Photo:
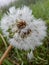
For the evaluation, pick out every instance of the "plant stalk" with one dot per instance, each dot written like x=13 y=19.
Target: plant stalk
x=5 y=54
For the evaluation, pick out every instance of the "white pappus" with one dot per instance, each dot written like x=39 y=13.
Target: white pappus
x=5 y=3
x=22 y=29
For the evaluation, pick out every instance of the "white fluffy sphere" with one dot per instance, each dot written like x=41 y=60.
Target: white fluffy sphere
x=22 y=29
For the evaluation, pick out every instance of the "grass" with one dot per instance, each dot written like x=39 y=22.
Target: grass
x=17 y=57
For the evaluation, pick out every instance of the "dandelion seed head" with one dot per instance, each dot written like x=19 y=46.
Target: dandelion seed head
x=6 y=3
x=22 y=29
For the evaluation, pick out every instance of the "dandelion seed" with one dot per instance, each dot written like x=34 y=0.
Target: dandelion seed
x=30 y=56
